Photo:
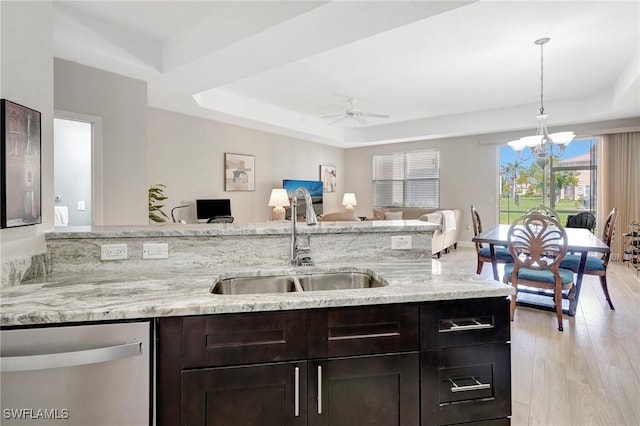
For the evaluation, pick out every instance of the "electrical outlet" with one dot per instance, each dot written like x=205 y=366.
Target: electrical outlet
x=401 y=242
x=113 y=252
x=155 y=251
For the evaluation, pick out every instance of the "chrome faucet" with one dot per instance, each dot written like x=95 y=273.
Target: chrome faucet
x=300 y=255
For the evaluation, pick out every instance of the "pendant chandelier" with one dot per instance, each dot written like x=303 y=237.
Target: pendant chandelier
x=542 y=145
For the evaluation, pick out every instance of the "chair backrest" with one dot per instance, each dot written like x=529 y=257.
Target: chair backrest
x=221 y=219
x=542 y=209
x=537 y=241
x=584 y=220
x=607 y=232
x=477 y=225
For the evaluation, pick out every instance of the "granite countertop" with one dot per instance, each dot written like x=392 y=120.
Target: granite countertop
x=73 y=297
x=230 y=229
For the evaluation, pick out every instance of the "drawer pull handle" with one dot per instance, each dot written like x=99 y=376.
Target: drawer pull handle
x=477 y=325
x=477 y=386
x=296 y=404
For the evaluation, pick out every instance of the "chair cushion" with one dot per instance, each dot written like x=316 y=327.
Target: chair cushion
x=572 y=261
x=502 y=253
x=543 y=276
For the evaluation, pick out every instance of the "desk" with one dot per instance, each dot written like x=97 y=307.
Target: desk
x=578 y=240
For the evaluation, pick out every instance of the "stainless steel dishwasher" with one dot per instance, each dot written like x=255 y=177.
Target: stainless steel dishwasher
x=77 y=375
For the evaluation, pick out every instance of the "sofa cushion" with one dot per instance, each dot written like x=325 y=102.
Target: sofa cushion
x=393 y=215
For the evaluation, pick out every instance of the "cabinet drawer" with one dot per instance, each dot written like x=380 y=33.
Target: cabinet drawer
x=466 y=384
x=461 y=323
x=363 y=330
x=245 y=338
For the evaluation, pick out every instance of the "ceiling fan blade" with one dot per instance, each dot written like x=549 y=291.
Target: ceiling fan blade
x=376 y=115
x=332 y=116
x=360 y=120
x=341 y=118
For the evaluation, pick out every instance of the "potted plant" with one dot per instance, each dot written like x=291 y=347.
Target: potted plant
x=156 y=196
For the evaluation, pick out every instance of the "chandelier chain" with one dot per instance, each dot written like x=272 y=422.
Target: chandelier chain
x=542 y=79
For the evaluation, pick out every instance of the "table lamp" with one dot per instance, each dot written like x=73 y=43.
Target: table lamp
x=348 y=201
x=278 y=199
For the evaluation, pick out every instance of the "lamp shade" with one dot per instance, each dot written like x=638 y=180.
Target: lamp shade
x=349 y=199
x=279 y=198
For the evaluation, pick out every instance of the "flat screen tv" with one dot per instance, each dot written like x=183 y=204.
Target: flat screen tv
x=206 y=209
x=315 y=189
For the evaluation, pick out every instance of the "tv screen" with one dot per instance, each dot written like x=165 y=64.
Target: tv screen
x=206 y=209
x=315 y=189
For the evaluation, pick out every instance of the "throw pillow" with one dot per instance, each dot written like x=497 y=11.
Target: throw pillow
x=378 y=214
x=393 y=215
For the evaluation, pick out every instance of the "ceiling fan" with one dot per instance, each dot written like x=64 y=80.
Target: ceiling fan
x=352 y=112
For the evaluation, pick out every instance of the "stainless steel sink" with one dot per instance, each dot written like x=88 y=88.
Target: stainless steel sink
x=255 y=285
x=291 y=283
x=338 y=281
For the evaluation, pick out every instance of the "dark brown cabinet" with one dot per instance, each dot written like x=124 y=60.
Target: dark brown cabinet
x=466 y=362
x=365 y=365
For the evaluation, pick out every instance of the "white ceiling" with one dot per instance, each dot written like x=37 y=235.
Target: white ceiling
x=438 y=68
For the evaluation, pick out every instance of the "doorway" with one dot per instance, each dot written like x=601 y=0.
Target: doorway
x=76 y=198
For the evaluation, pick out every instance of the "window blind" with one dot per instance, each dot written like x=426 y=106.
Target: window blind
x=407 y=179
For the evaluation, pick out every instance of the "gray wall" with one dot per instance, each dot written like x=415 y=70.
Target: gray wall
x=121 y=102
x=187 y=155
x=468 y=175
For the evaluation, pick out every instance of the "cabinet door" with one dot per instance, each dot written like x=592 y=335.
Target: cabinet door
x=254 y=395
x=378 y=390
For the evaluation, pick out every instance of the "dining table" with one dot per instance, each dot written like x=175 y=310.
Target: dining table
x=579 y=240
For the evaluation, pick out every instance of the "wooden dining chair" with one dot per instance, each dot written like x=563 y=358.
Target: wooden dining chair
x=538 y=243
x=484 y=253
x=585 y=220
x=542 y=209
x=596 y=265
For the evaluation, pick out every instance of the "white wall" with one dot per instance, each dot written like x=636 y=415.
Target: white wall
x=121 y=102
x=26 y=37
x=468 y=175
x=187 y=155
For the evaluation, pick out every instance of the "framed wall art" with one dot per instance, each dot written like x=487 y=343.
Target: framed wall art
x=328 y=177
x=239 y=172
x=20 y=174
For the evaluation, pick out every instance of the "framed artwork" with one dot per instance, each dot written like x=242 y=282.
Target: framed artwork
x=239 y=172
x=20 y=177
x=328 y=177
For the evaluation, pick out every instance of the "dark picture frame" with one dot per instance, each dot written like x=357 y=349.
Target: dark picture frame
x=239 y=172
x=20 y=165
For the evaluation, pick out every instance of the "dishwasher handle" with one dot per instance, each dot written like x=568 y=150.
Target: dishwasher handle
x=70 y=359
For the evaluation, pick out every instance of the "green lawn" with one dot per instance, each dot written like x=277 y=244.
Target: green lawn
x=509 y=211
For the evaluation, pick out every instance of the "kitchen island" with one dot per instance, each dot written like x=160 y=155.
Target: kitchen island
x=299 y=356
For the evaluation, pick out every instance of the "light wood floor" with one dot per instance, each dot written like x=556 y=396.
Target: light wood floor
x=590 y=373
